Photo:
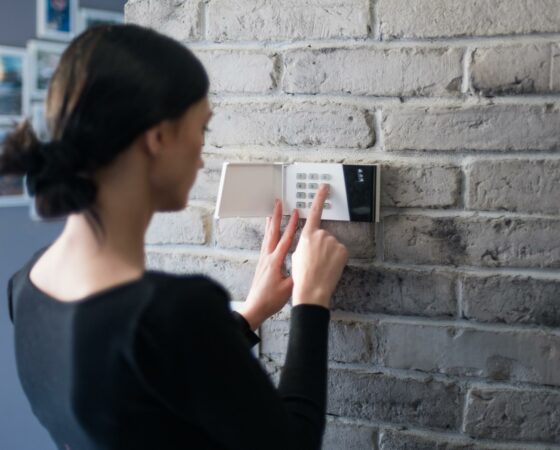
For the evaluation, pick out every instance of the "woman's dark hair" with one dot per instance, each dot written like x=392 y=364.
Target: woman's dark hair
x=112 y=83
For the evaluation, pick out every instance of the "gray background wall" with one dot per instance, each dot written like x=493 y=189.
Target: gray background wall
x=19 y=239
x=445 y=325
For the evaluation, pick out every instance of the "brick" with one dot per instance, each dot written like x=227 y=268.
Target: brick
x=512 y=69
x=248 y=233
x=501 y=413
x=366 y=289
x=263 y=20
x=372 y=71
x=293 y=124
x=474 y=241
x=179 y=19
x=349 y=342
x=511 y=299
x=439 y=18
x=524 y=185
x=271 y=368
x=378 y=396
x=208 y=180
x=523 y=356
x=239 y=71
x=235 y=274
x=417 y=440
x=435 y=186
x=190 y=226
x=349 y=436
x=274 y=336
x=244 y=233
x=493 y=127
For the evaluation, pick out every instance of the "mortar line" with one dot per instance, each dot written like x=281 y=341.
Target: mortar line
x=204 y=20
x=469 y=214
x=375 y=20
x=459 y=297
x=551 y=76
x=462 y=381
x=400 y=102
x=435 y=322
x=376 y=155
x=466 y=82
x=454 y=436
x=378 y=41
x=465 y=410
x=476 y=271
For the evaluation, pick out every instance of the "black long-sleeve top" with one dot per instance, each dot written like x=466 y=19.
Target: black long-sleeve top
x=162 y=363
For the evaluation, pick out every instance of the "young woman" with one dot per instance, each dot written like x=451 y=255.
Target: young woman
x=114 y=356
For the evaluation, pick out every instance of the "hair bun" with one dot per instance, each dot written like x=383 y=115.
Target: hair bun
x=73 y=193
x=20 y=151
x=54 y=177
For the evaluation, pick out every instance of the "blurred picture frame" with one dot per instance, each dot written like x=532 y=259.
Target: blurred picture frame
x=57 y=19
x=89 y=17
x=13 y=84
x=43 y=58
x=12 y=187
x=37 y=112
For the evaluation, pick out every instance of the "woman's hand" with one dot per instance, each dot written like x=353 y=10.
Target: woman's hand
x=271 y=288
x=319 y=259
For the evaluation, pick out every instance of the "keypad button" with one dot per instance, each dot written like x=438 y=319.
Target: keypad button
x=313 y=186
x=325 y=176
x=301 y=185
x=300 y=205
x=301 y=176
x=310 y=204
x=301 y=195
x=311 y=195
x=313 y=176
x=327 y=205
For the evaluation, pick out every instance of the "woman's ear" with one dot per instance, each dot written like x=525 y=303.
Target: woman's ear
x=155 y=140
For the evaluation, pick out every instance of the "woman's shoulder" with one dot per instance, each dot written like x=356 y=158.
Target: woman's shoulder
x=180 y=295
x=186 y=285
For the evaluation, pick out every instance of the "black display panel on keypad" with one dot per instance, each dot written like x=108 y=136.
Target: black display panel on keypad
x=360 y=191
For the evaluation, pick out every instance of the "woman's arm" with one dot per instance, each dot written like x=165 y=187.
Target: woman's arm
x=190 y=352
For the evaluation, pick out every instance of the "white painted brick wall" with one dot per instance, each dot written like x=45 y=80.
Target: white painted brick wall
x=257 y=20
x=294 y=124
x=372 y=71
x=445 y=323
x=443 y=18
x=235 y=71
x=180 y=19
x=521 y=127
x=523 y=185
x=515 y=69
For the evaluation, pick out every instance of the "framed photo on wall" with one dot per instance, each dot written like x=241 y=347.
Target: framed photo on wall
x=56 y=19
x=12 y=189
x=13 y=86
x=90 y=17
x=38 y=120
x=43 y=58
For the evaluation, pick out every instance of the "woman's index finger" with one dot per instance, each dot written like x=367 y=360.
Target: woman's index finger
x=314 y=217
